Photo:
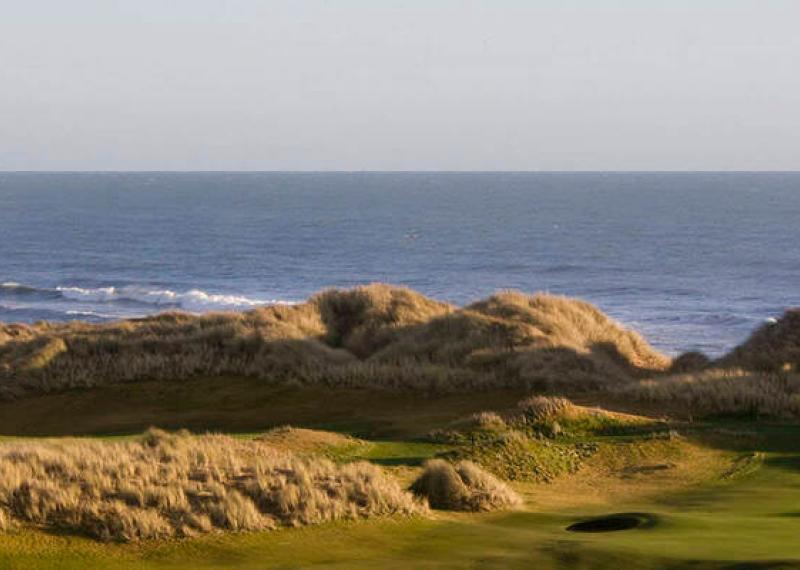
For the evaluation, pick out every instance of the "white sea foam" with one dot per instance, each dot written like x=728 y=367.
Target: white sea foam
x=89 y=314
x=193 y=300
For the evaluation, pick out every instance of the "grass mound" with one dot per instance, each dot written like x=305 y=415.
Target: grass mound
x=541 y=439
x=463 y=487
x=516 y=456
x=552 y=416
x=166 y=485
x=771 y=348
x=374 y=336
x=302 y=440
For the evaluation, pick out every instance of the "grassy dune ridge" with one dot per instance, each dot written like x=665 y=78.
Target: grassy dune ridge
x=373 y=336
x=385 y=337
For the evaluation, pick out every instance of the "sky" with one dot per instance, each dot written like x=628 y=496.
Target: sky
x=400 y=85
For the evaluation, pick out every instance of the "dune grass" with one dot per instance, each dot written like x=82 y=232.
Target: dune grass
x=176 y=485
x=723 y=392
x=376 y=336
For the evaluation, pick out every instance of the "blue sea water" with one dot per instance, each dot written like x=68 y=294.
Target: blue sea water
x=692 y=260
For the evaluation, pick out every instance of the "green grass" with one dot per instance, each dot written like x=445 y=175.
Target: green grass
x=401 y=453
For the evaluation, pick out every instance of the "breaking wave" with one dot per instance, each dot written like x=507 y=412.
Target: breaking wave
x=123 y=301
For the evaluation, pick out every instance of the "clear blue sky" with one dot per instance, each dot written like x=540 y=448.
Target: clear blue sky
x=399 y=85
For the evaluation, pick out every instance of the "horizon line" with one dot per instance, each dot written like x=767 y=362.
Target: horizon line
x=426 y=171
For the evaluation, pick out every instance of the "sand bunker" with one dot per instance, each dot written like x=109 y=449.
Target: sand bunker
x=615 y=522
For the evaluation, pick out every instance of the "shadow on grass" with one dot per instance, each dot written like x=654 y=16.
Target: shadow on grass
x=400 y=461
x=788 y=462
x=780 y=441
x=571 y=554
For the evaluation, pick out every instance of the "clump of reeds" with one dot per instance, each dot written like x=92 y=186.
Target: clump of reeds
x=537 y=409
x=487 y=421
x=463 y=487
x=175 y=485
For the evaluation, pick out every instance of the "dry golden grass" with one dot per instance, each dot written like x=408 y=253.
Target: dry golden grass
x=463 y=487
x=491 y=421
x=374 y=336
x=166 y=485
x=723 y=391
x=5 y=520
x=548 y=408
x=562 y=322
x=366 y=319
x=15 y=332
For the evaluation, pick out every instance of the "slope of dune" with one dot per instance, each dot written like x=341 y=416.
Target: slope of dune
x=772 y=347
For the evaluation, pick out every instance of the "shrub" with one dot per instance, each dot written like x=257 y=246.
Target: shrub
x=690 y=362
x=463 y=487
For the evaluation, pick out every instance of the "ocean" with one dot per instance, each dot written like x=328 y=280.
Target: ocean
x=694 y=261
